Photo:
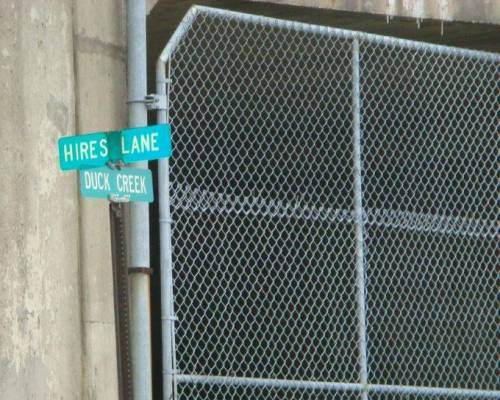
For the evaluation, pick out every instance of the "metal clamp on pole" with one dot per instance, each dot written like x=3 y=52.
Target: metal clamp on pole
x=140 y=270
x=114 y=198
x=152 y=101
x=172 y=318
x=118 y=165
x=163 y=80
x=156 y=102
x=169 y=371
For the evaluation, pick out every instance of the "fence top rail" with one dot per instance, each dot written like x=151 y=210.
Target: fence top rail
x=196 y=11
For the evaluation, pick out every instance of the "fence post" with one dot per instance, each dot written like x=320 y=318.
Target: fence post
x=167 y=286
x=359 y=220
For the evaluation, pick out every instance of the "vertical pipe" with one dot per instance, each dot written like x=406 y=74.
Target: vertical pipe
x=140 y=324
x=167 y=291
x=359 y=220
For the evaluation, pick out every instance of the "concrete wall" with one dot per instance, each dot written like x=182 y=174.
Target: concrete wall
x=449 y=10
x=62 y=71
x=100 y=79
x=40 y=346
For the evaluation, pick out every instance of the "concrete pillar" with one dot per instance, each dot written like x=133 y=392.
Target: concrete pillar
x=100 y=61
x=62 y=71
x=40 y=340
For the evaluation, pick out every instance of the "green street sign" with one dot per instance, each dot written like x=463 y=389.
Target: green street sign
x=129 y=145
x=130 y=184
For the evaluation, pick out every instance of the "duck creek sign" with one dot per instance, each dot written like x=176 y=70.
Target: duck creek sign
x=131 y=184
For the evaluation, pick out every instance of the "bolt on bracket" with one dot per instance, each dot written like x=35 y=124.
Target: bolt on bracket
x=152 y=101
x=156 y=102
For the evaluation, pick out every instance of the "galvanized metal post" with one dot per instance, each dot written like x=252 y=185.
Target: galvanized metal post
x=140 y=319
x=359 y=221
x=167 y=292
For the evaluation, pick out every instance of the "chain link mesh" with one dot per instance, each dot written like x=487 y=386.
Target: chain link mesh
x=262 y=192
x=431 y=150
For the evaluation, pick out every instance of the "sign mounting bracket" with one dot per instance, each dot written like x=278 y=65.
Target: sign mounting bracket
x=152 y=101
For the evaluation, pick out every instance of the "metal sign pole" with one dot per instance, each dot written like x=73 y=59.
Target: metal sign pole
x=140 y=311
x=120 y=291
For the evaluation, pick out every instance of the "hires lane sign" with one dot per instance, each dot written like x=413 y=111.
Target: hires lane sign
x=131 y=184
x=129 y=145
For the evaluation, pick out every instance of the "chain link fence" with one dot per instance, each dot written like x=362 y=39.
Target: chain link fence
x=334 y=197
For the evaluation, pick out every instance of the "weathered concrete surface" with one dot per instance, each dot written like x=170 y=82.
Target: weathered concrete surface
x=62 y=71
x=167 y=14
x=100 y=53
x=40 y=351
x=449 y=10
